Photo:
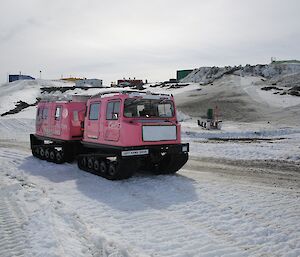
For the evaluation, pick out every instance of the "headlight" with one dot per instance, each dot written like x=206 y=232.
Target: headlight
x=184 y=148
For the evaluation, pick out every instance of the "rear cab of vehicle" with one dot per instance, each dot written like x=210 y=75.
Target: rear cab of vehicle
x=59 y=126
x=60 y=120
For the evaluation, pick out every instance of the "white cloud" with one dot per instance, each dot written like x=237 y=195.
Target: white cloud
x=149 y=39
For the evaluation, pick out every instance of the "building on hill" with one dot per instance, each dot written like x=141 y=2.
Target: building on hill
x=130 y=82
x=14 y=77
x=89 y=83
x=71 y=79
x=180 y=74
x=275 y=61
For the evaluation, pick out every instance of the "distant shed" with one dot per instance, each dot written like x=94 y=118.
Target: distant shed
x=14 y=77
x=182 y=74
x=89 y=83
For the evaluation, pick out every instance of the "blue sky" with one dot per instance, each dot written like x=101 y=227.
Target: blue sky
x=143 y=39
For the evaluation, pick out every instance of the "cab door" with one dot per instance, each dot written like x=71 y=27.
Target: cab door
x=57 y=129
x=92 y=129
x=45 y=127
x=112 y=123
x=39 y=120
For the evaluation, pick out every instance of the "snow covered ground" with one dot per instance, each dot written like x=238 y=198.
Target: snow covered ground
x=51 y=210
x=237 y=196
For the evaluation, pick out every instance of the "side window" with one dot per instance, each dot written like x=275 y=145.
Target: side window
x=113 y=110
x=58 y=112
x=45 y=114
x=75 y=116
x=94 y=111
x=38 y=113
x=116 y=110
x=165 y=110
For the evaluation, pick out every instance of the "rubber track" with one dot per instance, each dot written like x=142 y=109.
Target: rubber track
x=126 y=168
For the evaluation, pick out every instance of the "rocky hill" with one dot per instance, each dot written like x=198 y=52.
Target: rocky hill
x=287 y=72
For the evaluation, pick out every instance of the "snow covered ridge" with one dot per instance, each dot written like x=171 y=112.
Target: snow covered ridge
x=275 y=70
x=19 y=95
x=26 y=91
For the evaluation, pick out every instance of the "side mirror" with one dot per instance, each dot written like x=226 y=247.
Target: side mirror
x=115 y=116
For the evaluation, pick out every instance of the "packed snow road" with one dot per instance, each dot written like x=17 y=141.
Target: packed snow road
x=59 y=210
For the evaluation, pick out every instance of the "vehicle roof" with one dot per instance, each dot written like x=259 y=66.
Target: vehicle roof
x=130 y=94
x=107 y=95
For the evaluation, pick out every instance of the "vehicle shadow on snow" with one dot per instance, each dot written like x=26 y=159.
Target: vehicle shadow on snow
x=51 y=171
x=141 y=192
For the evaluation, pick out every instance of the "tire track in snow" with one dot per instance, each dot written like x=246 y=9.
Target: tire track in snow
x=191 y=223
x=173 y=215
x=16 y=129
x=13 y=241
x=50 y=227
x=162 y=223
x=215 y=221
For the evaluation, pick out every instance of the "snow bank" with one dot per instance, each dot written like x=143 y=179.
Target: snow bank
x=245 y=143
x=181 y=116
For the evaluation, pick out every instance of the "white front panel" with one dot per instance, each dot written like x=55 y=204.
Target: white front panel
x=135 y=152
x=159 y=133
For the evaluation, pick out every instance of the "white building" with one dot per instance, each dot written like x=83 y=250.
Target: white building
x=89 y=83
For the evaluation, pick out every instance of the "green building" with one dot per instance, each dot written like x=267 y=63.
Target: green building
x=182 y=74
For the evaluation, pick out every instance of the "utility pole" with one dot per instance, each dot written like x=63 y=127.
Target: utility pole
x=40 y=74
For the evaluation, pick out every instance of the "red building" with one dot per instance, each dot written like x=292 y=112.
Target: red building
x=130 y=82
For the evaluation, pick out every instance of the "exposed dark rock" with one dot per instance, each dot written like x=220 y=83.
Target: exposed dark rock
x=20 y=105
x=63 y=89
x=295 y=91
x=295 y=88
x=270 y=88
x=54 y=89
x=177 y=86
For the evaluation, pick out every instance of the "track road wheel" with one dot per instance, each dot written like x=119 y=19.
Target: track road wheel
x=112 y=171
x=121 y=169
x=81 y=162
x=90 y=163
x=47 y=154
x=103 y=167
x=52 y=155
x=96 y=165
x=42 y=152
x=59 y=157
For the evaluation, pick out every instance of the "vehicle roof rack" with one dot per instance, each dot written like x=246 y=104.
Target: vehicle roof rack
x=84 y=98
x=64 y=98
x=127 y=92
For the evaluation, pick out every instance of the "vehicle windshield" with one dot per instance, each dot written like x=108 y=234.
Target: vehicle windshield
x=148 y=108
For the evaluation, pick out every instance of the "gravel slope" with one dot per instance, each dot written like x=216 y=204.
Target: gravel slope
x=241 y=100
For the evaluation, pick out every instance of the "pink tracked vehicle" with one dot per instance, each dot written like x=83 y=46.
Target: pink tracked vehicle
x=112 y=134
